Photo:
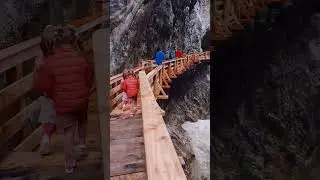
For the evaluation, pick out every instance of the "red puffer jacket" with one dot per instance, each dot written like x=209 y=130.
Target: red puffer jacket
x=130 y=86
x=179 y=54
x=66 y=77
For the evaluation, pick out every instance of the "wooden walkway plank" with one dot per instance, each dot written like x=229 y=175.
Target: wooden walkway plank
x=127 y=154
x=134 y=176
x=161 y=158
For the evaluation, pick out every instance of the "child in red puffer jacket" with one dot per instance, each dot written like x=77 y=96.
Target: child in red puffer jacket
x=130 y=86
x=66 y=78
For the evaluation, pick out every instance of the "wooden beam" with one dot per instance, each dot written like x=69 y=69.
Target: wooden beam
x=154 y=72
x=166 y=75
x=13 y=55
x=163 y=97
x=161 y=158
x=115 y=90
x=12 y=126
x=115 y=100
x=102 y=71
x=15 y=90
x=31 y=142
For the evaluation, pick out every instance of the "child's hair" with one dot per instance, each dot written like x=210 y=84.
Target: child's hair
x=125 y=73
x=67 y=35
x=54 y=36
x=48 y=40
x=131 y=72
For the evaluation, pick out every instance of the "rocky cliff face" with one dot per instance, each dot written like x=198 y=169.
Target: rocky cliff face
x=140 y=26
x=267 y=100
x=189 y=101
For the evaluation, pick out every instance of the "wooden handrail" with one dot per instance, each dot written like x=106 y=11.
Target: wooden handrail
x=161 y=158
x=26 y=46
x=115 y=91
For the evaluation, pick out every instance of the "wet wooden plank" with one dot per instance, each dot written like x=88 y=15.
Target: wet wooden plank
x=127 y=167
x=135 y=140
x=122 y=124
x=127 y=150
x=133 y=176
x=125 y=135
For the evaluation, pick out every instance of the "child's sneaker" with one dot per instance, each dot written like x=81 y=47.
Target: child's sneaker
x=123 y=107
x=45 y=145
x=69 y=168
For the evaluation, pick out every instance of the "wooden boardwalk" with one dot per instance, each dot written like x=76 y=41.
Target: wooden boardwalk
x=140 y=146
x=127 y=151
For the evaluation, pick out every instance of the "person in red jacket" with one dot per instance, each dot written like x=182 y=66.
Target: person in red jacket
x=66 y=77
x=130 y=86
x=179 y=54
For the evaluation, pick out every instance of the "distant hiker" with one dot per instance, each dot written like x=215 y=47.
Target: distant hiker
x=124 y=94
x=47 y=112
x=167 y=54
x=68 y=78
x=171 y=54
x=130 y=86
x=179 y=54
x=160 y=56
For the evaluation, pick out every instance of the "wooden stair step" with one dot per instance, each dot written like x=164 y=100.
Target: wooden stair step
x=125 y=135
x=130 y=151
x=131 y=141
x=125 y=124
x=133 y=176
x=127 y=167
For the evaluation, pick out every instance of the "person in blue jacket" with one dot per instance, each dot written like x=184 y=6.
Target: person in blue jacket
x=171 y=54
x=160 y=56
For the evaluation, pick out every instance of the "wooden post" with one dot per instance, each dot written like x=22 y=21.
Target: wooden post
x=19 y=76
x=102 y=76
x=175 y=67
x=161 y=77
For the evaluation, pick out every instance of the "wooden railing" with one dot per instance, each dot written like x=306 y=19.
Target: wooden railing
x=17 y=62
x=161 y=158
x=159 y=76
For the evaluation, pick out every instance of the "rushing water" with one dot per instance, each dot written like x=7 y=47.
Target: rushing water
x=199 y=134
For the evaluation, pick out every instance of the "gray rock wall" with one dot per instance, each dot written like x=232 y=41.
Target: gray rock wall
x=140 y=26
